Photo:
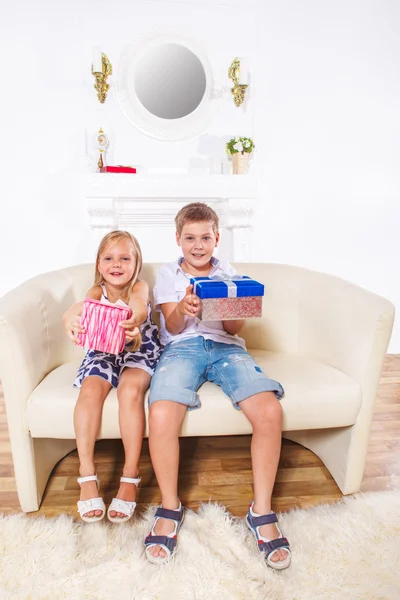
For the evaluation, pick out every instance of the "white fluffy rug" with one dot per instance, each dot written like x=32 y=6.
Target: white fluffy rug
x=350 y=550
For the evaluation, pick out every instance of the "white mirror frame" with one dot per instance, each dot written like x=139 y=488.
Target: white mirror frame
x=162 y=129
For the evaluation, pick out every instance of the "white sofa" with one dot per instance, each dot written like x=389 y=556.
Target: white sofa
x=323 y=338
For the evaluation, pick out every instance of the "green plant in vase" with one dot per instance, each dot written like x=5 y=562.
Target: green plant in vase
x=240 y=149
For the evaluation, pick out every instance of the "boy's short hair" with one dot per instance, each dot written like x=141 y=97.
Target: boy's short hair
x=195 y=212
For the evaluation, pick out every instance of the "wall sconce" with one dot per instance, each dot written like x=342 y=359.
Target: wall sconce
x=101 y=69
x=239 y=78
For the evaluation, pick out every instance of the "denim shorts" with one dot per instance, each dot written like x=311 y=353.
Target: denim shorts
x=184 y=366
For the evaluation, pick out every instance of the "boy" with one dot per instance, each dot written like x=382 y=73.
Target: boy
x=194 y=353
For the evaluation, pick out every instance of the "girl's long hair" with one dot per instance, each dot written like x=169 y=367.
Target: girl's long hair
x=112 y=238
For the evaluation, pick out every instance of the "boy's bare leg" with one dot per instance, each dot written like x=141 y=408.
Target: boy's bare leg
x=265 y=415
x=165 y=421
x=131 y=388
x=87 y=419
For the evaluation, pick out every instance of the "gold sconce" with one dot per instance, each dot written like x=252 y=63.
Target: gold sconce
x=101 y=69
x=239 y=89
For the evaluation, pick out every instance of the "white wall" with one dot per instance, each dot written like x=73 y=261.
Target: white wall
x=323 y=110
x=328 y=117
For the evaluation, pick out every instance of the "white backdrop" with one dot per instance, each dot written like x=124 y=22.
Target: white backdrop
x=323 y=110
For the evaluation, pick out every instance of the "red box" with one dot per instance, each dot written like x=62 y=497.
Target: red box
x=228 y=309
x=118 y=170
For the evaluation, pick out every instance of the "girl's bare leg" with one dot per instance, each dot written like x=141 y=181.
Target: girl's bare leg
x=87 y=419
x=131 y=389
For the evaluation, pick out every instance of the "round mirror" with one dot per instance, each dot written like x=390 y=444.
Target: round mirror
x=164 y=88
x=170 y=81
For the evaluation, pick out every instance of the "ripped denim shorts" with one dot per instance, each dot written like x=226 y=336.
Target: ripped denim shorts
x=185 y=365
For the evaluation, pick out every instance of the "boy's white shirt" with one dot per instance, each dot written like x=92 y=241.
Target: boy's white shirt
x=171 y=284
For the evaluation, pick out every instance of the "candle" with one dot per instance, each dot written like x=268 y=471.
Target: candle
x=244 y=71
x=97 y=60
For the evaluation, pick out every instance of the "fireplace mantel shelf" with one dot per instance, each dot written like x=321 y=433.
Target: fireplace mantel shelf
x=119 y=185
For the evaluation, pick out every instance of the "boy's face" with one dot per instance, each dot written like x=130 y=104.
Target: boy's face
x=197 y=241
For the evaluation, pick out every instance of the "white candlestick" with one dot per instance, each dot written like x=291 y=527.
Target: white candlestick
x=244 y=71
x=97 y=60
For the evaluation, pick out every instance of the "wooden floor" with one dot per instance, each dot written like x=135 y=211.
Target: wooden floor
x=219 y=468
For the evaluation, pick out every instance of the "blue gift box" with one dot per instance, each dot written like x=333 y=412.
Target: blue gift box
x=237 y=286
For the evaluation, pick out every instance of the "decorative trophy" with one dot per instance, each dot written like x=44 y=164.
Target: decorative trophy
x=102 y=143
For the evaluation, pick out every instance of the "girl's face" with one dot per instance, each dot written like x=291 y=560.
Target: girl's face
x=117 y=263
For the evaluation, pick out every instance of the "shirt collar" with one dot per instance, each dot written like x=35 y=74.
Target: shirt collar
x=214 y=264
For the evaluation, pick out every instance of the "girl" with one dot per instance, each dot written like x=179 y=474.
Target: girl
x=118 y=264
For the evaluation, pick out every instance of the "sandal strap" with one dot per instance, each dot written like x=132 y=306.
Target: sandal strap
x=263 y=519
x=85 y=506
x=122 y=506
x=168 y=543
x=265 y=545
x=81 y=480
x=271 y=546
x=172 y=515
x=134 y=480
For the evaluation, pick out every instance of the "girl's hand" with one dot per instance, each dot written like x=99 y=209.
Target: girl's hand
x=73 y=327
x=131 y=327
x=190 y=305
x=131 y=334
x=72 y=322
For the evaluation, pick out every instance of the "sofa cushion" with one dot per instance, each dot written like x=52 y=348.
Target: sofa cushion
x=316 y=396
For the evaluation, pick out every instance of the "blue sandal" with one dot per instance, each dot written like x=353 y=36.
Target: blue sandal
x=268 y=547
x=167 y=542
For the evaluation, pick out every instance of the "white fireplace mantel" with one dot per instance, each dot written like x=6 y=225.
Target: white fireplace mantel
x=129 y=201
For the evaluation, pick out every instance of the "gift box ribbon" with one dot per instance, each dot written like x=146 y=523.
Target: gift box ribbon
x=229 y=280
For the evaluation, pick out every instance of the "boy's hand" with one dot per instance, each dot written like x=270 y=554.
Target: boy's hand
x=190 y=305
x=233 y=327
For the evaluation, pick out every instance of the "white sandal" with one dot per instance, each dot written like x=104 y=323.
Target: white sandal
x=85 y=506
x=123 y=506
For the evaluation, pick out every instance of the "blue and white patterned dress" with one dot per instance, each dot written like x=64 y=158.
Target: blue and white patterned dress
x=110 y=366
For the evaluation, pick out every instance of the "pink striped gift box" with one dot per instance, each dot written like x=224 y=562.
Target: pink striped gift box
x=101 y=323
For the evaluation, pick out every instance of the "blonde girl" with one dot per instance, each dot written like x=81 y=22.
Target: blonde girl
x=118 y=264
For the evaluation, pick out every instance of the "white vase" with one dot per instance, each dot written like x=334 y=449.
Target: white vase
x=240 y=163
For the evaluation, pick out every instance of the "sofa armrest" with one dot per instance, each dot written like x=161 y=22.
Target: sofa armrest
x=32 y=338
x=24 y=359
x=24 y=346
x=32 y=343
x=320 y=316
